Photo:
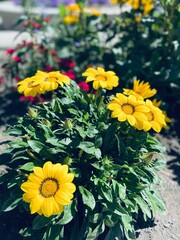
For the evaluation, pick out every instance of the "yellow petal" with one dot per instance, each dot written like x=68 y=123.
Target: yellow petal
x=36 y=203
x=48 y=169
x=47 y=207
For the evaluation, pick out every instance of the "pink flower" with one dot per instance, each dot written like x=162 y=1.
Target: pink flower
x=16 y=59
x=29 y=98
x=1 y=79
x=84 y=86
x=10 y=51
x=48 y=68
x=70 y=74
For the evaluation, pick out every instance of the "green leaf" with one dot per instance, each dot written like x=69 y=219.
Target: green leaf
x=89 y=148
x=12 y=201
x=62 y=10
x=36 y=145
x=40 y=221
x=119 y=189
x=28 y=166
x=54 y=232
x=68 y=214
x=96 y=232
x=143 y=206
x=87 y=197
x=115 y=233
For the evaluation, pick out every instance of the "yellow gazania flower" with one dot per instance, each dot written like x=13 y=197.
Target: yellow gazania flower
x=48 y=189
x=50 y=81
x=100 y=78
x=128 y=109
x=155 y=118
x=157 y=103
x=140 y=90
x=28 y=87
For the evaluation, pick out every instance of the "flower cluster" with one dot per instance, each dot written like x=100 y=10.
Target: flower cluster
x=145 y=5
x=141 y=114
x=73 y=12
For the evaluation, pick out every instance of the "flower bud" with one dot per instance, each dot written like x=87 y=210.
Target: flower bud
x=68 y=124
x=32 y=113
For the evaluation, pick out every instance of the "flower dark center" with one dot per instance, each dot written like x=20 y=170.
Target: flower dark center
x=128 y=108
x=49 y=187
x=150 y=116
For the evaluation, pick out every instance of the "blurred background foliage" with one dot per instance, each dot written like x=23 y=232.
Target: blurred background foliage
x=142 y=42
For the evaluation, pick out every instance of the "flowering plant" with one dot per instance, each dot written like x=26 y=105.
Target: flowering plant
x=84 y=164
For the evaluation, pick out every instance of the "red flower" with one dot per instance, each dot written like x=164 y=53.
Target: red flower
x=36 y=25
x=1 y=79
x=48 y=68
x=16 y=59
x=10 y=51
x=84 y=86
x=53 y=52
x=29 y=98
x=17 y=79
x=70 y=74
x=67 y=63
x=47 y=19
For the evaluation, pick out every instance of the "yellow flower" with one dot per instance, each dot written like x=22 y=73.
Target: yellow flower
x=140 y=90
x=157 y=103
x=50 y=81
x=155 y=118
x=91 y=11
x=71 y=19
x=73 y=7
x=48 y=189
x=128 y=109
x=100 y=78
x=28 y=87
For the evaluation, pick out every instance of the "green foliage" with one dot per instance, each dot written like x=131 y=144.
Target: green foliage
x=114 y=164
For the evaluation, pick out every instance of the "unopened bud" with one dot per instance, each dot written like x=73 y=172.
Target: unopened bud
x=68 y=124
x=32 y=113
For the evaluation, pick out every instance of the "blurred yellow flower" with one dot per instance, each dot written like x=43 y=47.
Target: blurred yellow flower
x=48 y=189
x=28 y=87
x=92 y=11
x=128 y=108
x=146 y=5
x=100 y=78
x=73 y=13
x=71 y=19
x=140 y=90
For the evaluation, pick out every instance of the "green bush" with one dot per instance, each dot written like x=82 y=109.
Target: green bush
x=114 y=166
